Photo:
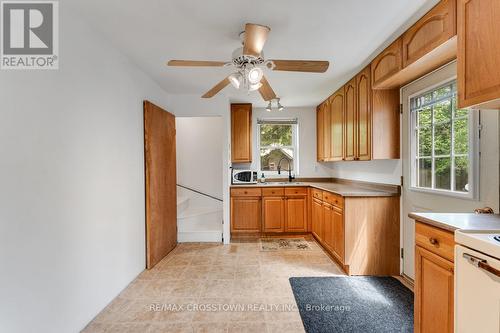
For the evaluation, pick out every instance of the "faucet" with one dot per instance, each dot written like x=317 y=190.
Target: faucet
x=290 y=177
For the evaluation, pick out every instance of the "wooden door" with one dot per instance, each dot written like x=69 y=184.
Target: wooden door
x=364 y=115
x=478 y=63
x=327 y=132
x=350 y=120
x=241 y=133
x=317 y=218
x=296 y=214
x=273 y=212
x=433 y=292
x=161 y=178
x=327 y=226
x=245 y=214
x=387 y=63
x=337 y=125
x=432 y=30
x=338 y=233
x=320 y=133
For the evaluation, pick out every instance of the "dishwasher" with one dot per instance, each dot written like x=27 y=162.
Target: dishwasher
x=477 y=281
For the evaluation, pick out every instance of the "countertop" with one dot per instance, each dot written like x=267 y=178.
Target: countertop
x=459 y=221
x=344 y=190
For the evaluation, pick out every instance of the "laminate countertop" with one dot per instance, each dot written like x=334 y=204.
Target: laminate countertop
x=459 y=221
x=345 y=190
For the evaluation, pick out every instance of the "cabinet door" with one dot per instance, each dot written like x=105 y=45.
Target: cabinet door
x=364 y=115
x=296 y=214
x=327 y=132
x=337 y=125
x=478 y=53
x=328 y=226
x=350 y=120
x=338 y=233
x=273 y=214
x=387 y=63
x=433 y=292
x=319 y=133
x=245 y=214
x=432 y=30
x=317 y=218
x=241 y=133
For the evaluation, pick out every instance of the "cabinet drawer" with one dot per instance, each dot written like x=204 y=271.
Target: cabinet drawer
x=333 y=199
x=273 y=192
x=295 y=190
x=317 y=194
x=246 y=192
x=438 y=241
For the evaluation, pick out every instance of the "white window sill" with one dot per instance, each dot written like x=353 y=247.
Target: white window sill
x=458 y=195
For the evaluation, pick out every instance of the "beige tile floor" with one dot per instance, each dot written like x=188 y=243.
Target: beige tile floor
x=214 y=277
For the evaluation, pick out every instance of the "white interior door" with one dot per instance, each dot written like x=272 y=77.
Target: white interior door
x=418 y=201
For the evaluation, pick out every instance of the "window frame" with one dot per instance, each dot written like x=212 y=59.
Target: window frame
x=473 y=155
x=294 y=146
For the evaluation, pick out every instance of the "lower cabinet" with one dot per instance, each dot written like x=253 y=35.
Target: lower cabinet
x=338 y=233
x=296 y=214
x=273 y=214
x=434 y=279
x=317 y=218
x=245 y=214
x=328 y=226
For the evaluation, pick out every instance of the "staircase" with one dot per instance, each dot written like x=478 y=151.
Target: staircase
x=199 y=216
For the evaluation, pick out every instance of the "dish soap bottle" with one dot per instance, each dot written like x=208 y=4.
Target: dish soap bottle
x=262 y=178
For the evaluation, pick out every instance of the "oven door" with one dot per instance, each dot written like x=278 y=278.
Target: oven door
x=477 y=292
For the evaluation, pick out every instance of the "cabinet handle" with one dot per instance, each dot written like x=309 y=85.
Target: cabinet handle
x=433 y=241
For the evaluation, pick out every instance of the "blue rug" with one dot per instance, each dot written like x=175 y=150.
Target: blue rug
x=353 y=304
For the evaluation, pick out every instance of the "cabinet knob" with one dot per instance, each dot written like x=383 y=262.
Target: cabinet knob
x=433 y=241
x=245 y=192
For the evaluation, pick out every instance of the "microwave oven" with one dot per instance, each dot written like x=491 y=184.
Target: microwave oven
x=244 y=177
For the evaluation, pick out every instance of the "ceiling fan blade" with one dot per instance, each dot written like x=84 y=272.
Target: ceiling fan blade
x=311 y=66
x=266 y=91
x=196 y=63
x=255 y=38
x=218 y=87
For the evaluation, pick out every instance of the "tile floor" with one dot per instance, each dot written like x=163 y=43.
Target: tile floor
x=215 y=277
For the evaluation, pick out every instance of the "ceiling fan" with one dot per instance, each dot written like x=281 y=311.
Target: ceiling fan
x=249 y=64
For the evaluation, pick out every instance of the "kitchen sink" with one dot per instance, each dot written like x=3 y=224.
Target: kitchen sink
x=282 y=183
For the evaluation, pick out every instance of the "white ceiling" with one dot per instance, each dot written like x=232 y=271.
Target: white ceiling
x=345 y=32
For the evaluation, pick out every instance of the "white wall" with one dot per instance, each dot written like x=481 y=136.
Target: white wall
x=378 y=171
x=308 y=165
x=72 y=224
x=200 y=143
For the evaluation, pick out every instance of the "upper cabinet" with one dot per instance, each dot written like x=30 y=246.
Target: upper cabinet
x=337 y=125
x=241 y=133
x=364 y=115
x=320 y=130
x=432 y=30
x=430 y=43
x=479 y=53
x=388 y=63
x=350 y=118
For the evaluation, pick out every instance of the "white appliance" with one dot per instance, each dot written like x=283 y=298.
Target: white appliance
x=244 y=177
x=477 y=281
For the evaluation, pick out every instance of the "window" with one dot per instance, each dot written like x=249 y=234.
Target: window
x=443 y=143
x=278 y=142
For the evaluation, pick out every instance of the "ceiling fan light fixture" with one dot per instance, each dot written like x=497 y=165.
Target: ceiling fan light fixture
x=255 y=75
x=235 y=80
x=269 y=107
x=253 y=87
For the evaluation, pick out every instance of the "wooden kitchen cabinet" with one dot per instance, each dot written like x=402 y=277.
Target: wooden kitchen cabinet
x=328 y=226
x=432 y=30
x=317 y=218
x=245 y=214
x=363 y=115
x=327 y=132
x=241 y=133
x=433 y=292
x=296 y=214
x=320 y=128
x=478 y=53
x=337 y=125
x=388 y=63
x=338 y=233
x=350 y=111
x=273 y=214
